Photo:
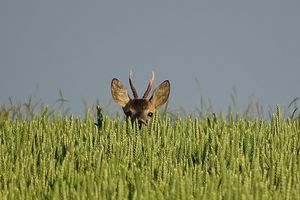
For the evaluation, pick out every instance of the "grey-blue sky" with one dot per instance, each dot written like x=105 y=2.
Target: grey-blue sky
x=79 y=46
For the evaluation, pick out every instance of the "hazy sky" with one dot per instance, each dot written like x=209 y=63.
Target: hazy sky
x=79 y=46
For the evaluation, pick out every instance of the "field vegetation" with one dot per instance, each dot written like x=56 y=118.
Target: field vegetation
x=48 y=155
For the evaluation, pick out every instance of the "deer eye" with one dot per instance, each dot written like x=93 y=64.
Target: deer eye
x=150 y=114
x=128 y=113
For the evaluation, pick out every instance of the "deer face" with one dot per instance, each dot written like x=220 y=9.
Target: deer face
x=140 y=109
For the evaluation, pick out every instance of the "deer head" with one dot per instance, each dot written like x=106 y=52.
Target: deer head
x=140 y=109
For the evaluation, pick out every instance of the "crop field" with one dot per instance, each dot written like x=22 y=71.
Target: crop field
x=224 y=157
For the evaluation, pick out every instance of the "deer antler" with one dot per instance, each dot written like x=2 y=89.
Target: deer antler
x=135 y=95
x=149 y=86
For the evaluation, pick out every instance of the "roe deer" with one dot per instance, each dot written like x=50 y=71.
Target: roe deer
x=140 y=109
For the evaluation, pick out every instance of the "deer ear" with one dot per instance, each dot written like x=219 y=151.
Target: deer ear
x=119 y=93
x=161 y=94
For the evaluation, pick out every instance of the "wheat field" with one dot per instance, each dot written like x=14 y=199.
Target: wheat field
x=64 y=157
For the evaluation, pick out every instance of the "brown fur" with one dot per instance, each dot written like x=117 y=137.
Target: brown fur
x=139 y=109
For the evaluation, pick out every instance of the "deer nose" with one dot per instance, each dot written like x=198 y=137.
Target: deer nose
x=141 y=122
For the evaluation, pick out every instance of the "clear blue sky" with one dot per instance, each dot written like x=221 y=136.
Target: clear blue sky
x=79 y=46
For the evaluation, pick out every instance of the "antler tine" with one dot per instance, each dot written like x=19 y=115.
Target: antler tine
x=149 y=86
x=135 y=95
